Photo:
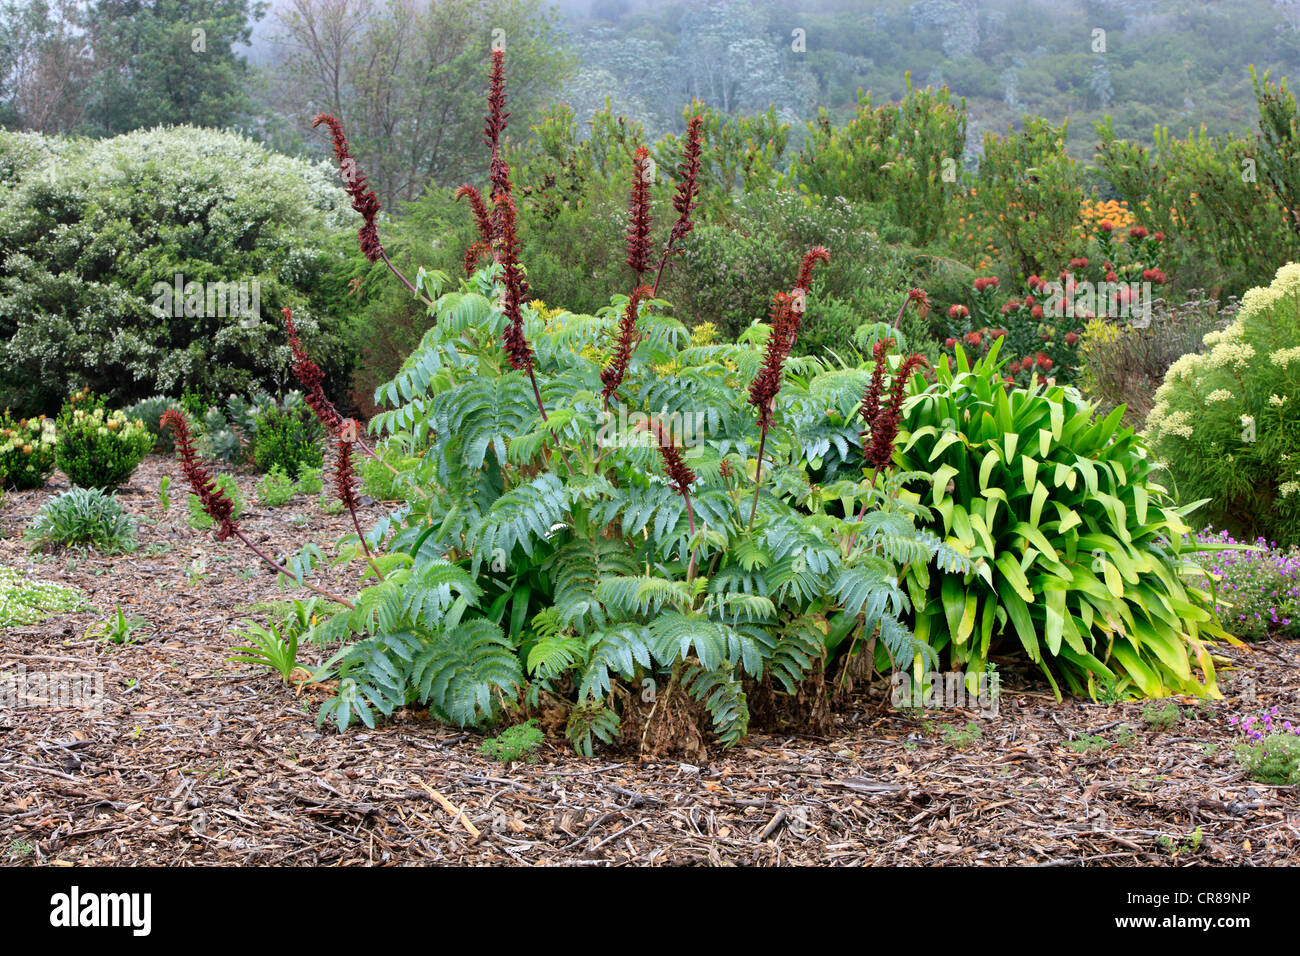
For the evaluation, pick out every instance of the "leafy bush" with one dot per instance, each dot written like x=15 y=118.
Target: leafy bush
x=288 y=439
x=1076 y=552
x=275 y=488
x=96 y=449
x=96 y=236
x=382 y=480
x=27 y=451
x=1124 y=364
x=83 y=516
x=1257 y=587
x=309 y=481
x=1225 y=421
x=150 y=411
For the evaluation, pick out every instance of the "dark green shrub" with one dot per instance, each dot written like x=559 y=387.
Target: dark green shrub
x=288 y=439
x=96 y=448
x=83 y=516
x=26 y=451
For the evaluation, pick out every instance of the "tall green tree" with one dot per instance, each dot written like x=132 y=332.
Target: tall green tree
x=160 y=62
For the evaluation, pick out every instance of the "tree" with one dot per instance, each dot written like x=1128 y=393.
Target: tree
x=162 y=62
x=406 y=79
x=43 y=61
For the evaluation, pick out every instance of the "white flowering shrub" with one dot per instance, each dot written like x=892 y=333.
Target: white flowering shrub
x=158 y=261
x=1226 y=422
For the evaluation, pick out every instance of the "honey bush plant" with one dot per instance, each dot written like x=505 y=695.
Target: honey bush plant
x=588 y=502
x=563 y=535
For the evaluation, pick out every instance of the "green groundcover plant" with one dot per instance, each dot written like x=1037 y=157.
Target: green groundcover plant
x=83 y=516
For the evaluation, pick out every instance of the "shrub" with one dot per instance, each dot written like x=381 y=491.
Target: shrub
x=27 y=451
x=309 y=481
x=1077 y=555
x=379 y=480
x=83 y=516
x=275 y=488
x=97 y=234
x=1257 y=588
x=150 y=411
x=287 y=438
x=98 y=449
x=1124 y=364
x=1225 y=421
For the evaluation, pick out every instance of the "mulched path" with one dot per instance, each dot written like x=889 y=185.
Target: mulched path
x=196 y=760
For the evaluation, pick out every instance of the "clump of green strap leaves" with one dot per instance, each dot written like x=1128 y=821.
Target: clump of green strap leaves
x=1076 y=552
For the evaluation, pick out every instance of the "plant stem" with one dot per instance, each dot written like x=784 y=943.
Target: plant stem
x=758 y=479
x=289 y=574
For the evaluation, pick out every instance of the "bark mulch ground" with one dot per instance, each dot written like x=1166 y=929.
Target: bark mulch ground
x=198 y=760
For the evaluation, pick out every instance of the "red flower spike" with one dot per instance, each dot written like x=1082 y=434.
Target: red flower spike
x=767 y=383
x=686 y=195
x=345 y=478
x=310 y=376
x=638 y=230
x=481 y=216
x=884 y=428
x=679 y=473
x=212 y=498
x=518 y=350
x=811 y=258
x=612 y=374
x=364 y=200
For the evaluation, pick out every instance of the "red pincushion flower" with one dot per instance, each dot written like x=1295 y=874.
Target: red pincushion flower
x=1154 y=276
x=1106 y=226
x=958 y=311
x=949 y=342
x=985 y=283
x=1138 y=232
x=1112 y=277
x=973 y=338
x=1159 y=237
x=1071 y=338
x=1079 y=262
x=1044 y=362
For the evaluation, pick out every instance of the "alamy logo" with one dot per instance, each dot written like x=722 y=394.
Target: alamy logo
x=208 y=300
x=76 y=909
x=947 y=691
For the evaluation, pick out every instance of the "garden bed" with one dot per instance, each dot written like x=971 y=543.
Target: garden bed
x=198 y=760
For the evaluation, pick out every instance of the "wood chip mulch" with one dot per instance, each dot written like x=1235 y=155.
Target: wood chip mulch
x=195 y=760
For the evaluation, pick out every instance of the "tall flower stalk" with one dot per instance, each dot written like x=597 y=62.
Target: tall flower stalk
x=216 y=505
x=786 y=317
x=364 y=200
x=639 y=240
x=612 y=375
x=686 y=196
